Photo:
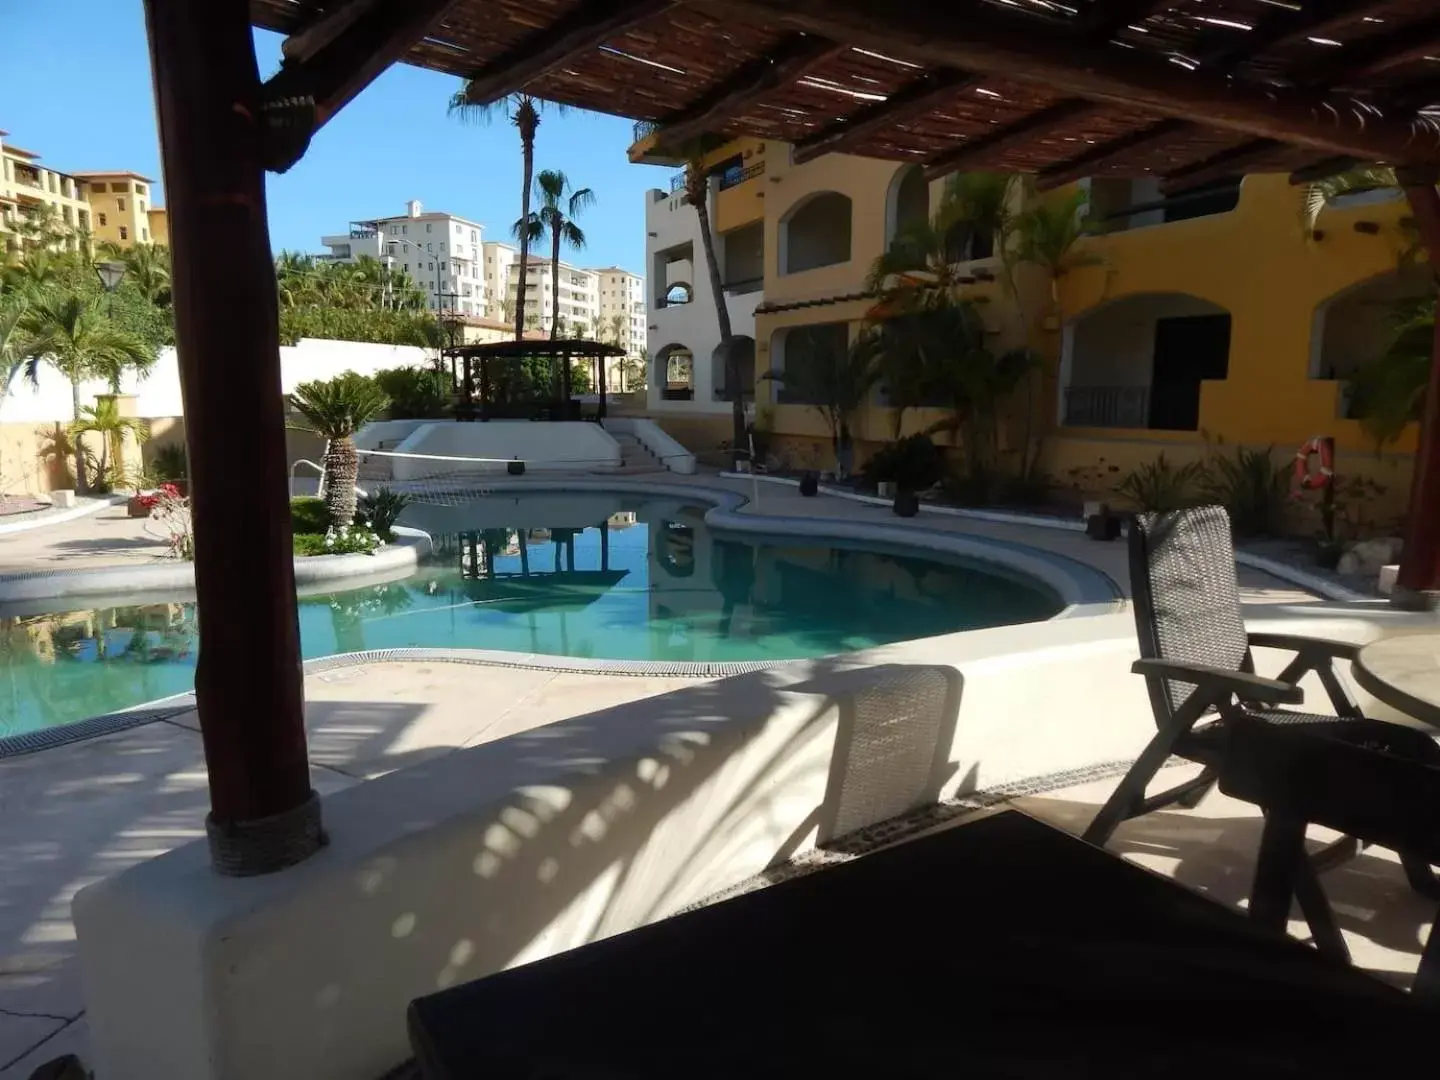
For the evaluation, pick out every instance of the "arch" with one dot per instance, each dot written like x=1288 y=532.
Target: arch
x=815 y=232
x=744 y=345
x=1354 y=325
x=1139 y=361
x=678 y=293
x=907 y=201
x=675 y=368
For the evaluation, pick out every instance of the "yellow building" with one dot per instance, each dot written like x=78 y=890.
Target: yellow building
x=29 y=192
x=120 y=203
x=159 y=226
x=1187 y=323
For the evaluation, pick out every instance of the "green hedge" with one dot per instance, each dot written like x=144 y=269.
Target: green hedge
x=308 y=515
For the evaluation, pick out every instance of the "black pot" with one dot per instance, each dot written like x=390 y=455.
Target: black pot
x=810 y=485
x=907 y=504
x=1104 y=526
x=515 y=468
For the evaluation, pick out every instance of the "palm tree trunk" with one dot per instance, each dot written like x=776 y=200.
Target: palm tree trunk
x=698 y=194
x=554 y=283
x=342 y=465
x=527 y=147
x=80 y=484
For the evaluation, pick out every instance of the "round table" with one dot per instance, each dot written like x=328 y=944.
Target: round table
x=1404 y=673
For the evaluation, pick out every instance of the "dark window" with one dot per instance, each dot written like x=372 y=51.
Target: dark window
x=120 y=204
x=124 y=233
x=98 y=188
x=101 y=218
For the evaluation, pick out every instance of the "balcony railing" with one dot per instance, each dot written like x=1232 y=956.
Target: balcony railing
x=735 y=177
x=1107 y=406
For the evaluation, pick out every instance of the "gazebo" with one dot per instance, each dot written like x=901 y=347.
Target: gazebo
x=528 y=379
x=1186 y=91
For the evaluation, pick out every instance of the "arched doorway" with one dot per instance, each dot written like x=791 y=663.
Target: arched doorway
x=675 y=366
x=907 y=203
x=744 y=347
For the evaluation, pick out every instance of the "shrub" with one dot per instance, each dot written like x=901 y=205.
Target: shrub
x=414 y=393
x=352 y=540
x=171 y=463
x=1250 y=486
x=380 y=509
x=309 y=515
x=913 y=463
x=1160 y=487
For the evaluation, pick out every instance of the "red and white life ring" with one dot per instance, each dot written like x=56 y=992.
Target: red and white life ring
x=1319 y=447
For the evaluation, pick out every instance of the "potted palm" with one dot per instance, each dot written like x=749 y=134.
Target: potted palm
x=336 y=410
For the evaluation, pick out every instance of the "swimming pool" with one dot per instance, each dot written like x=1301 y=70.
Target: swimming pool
x=585 y=575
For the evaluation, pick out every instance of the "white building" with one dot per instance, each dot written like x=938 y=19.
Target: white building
x=442 y=252
x=683 y=330
x=498 y=260
x=622 y=294
x=579 y=296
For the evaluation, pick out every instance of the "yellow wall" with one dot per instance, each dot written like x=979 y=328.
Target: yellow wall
x=745 y=202
x=159 y=226
x=109 y=222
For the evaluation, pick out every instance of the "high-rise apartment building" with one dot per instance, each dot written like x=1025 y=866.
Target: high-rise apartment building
x=579 y=294
x=30 y=192
x=440 y=251
x=622 y=309
x=120 y=205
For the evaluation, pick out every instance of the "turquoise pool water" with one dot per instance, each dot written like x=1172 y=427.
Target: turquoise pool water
x=575 y=575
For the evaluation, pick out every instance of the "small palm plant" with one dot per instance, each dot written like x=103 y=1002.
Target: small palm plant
x=1389 y=391
x=103 y=419
x=1046 y=234
x=336 y=410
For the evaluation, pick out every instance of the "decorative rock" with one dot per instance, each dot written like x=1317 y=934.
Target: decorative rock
x=1371 y=555
x=1349 y=564
x=1386 y=582
x=63 y=499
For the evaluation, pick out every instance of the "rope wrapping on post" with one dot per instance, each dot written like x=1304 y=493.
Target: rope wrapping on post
x=251 y=848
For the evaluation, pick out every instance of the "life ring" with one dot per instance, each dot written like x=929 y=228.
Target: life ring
x=1325 y=450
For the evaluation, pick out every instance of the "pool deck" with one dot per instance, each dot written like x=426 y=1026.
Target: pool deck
x=73 y=814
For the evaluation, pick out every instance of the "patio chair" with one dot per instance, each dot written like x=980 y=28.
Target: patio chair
x=1345 y=780
x=1195 y=655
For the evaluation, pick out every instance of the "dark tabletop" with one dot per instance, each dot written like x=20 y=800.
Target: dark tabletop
x=997 y=948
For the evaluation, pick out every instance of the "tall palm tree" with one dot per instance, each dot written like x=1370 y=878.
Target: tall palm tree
x=75 y=336
x=104 y=420
x=524 y=112
x=560 y=204
x=336 y=410
x=619 y=323
x=1046 y=233
x=14 y=343
x=697 y=194
x=147 y=267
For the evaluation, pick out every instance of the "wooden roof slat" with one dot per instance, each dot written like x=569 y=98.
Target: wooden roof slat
x=1098 y=157
x=1103 y=21
x=977 y=153
x=1375 y=53
x=1227 y=163
x=921 y=96
x=938 y=35
x=1284 y=25
x=579 y=31
x=796 y=55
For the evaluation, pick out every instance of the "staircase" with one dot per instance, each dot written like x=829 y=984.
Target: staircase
x=634 y=458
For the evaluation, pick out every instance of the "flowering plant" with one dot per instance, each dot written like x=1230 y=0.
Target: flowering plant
x=172 y=511
x=151 y=500
x=352 y=540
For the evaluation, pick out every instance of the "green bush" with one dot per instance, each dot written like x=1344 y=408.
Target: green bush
x=913 y=463
x=380 y=509
x=171 y=463
x=310 y=544
x=309 y=515
x=1160 y=487
x=414 y=393
x=1251 y=487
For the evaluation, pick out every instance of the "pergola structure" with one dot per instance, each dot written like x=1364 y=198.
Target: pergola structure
x=507 y=389
x=1189 y=90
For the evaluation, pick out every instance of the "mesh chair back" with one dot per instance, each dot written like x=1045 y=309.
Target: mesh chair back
x=1186 y=600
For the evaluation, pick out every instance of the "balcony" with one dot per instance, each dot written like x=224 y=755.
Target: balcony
x=735 y=176
x=1107 y=406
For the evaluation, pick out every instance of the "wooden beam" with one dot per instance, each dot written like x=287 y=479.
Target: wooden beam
x=579 y=31
x=1375 y=53
x=248 y=683
x=796 y=56
x=1322 y=169
x=1420 y=557
x=937 y=34
x=1316 y=19
x=1105 y=20
x=341 y=58
x=976 y=153
x=915 y=99
x=323 y=29
x=1098 y=157
x=1232 y=162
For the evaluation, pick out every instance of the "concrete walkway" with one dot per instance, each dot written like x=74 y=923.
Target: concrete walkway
x=107 y=538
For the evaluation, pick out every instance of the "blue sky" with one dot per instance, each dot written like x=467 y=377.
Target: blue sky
x=75 y=88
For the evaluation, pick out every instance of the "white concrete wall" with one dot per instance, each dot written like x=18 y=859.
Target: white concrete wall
x=158 y=394
x=518 y=849
x=654 y=439
x=560 y=446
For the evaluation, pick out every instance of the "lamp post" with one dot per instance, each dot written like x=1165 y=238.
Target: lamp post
x=111 y=274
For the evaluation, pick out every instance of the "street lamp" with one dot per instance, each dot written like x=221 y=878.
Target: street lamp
x=111 y=274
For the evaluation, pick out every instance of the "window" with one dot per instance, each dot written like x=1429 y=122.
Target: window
x=140 y=206
x=101 y=218
x=97 y=188
x=140 y=189
x=405 y=229
x=474 y=239
x=459 y=231
x=120 y=204
x=442 y=264
x=124 y=233
x=431 y=266
x=427 y=226
x=145 y=236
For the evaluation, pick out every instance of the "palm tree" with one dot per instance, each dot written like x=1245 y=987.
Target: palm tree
x=619 y=323
x=697 y=194
x=560 y=205
x=834 y=381
x=336 y=410
x=74 y=335
x=1046 y=233
x=33 y=272
x=14 y=344
x=1319 y=193
x=104 y=420
x=1389 y=392
x=147 y=267
x=524 y=112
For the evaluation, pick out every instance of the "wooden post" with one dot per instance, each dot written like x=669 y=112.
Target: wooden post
x=605 y=545
x=524 y=554
x=600 y=382
x=1420 y=561
x=264 y=815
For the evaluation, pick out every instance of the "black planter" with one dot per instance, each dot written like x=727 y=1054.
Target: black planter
x=809 y=485
x=907 y=504
x=1104 y=526
x=515 y=468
